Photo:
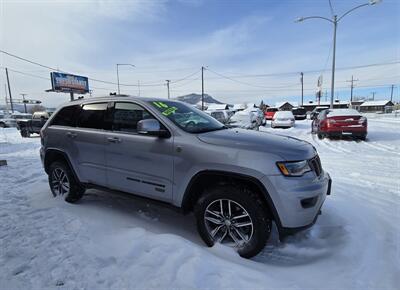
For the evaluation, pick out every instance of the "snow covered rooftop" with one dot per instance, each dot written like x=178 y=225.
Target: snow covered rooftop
x=375 y=103
x=239 y=106
x=280 y=104
x=215 y=107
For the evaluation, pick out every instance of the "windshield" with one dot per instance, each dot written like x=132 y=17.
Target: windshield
x=187 y=117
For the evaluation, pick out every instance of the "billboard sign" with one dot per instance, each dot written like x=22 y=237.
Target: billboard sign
x=61 y=82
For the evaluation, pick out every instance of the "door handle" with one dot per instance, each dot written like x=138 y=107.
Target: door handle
x=72 y=135
x=114 y=140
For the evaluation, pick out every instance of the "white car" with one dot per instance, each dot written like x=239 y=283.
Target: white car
x=221 y=115
x=7 y=121
x=283 y=119
x=244 y=119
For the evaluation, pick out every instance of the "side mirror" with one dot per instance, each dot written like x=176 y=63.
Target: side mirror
x=151 y=127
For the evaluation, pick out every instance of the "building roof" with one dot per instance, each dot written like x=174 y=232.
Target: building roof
x=212 y=107
x=280 y=104
x=375 y=103
x=239 y=107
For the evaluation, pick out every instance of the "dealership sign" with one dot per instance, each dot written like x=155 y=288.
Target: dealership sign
x=62 y=82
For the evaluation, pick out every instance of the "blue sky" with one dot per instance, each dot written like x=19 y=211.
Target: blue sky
x=173 y=39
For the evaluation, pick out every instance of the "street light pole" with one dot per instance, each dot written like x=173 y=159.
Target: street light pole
x=119 y=64
x=335 y=20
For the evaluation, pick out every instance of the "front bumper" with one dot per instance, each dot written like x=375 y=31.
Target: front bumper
x=297 y=201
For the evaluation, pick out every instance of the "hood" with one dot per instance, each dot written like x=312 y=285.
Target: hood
x=288 y=148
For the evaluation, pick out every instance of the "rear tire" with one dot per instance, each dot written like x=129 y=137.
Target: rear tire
x=320 y=136
x=25 y=134
x=63 y=182
x=240 y=208
x=2 y=125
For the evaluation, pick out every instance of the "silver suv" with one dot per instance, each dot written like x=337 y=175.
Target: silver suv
x=237 y=182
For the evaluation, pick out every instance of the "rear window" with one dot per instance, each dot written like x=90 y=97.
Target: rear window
x=342 y=112
x=299 y=111
x=283 y=114
x=66 y=116
x=272 y=110
x=218 y=115
x=92 y=116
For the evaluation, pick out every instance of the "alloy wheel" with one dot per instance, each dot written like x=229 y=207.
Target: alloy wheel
x=227 y=222
x=60 y=182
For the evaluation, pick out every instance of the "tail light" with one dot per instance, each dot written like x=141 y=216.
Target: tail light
x=330 y=122
x=362 y=120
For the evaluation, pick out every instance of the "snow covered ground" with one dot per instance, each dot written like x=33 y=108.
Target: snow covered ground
x=116 y=241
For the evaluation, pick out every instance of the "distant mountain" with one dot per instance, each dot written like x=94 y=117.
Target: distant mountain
x=195 y=98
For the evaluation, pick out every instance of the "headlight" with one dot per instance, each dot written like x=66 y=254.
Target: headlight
x=294 y=168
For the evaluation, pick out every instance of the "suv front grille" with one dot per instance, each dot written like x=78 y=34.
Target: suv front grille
x=315 y=165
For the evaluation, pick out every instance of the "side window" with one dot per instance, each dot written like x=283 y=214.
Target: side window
x=66 y=116
x=127 y=115
x=92 y=116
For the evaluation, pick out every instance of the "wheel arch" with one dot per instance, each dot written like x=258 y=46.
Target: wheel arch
x=207 y=177
x=52 y=155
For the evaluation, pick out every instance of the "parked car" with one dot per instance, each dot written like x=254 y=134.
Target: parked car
x=6 y=121
x=221 y=115
x=245 y=119
x=283 y=119
x=33 y=125
x=269 y=113
x=340 y=122
x=314 y=113
x=235 y=181
x=299 y=113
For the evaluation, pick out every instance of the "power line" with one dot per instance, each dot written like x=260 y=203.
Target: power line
x=54 y=69
x=185 y=78
x=295 y=73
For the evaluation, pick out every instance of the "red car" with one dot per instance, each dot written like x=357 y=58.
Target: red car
x=269 y=113
x=340 y=122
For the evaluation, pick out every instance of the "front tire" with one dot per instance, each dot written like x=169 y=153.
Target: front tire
x=234 y=216
x=63 y=182
x=25 y=134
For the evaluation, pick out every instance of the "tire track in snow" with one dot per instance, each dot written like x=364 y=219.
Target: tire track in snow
x=381 y=147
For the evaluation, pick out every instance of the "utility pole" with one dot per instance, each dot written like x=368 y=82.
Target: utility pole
x=202 y=88
x=9 y=91
x=391 y=94
x=302 y=88
x=373 y=95
x=352 y=87
x=168 y=87
x=23 y=100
